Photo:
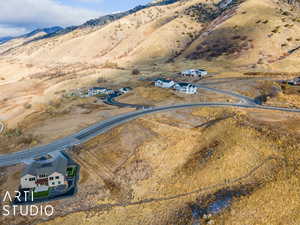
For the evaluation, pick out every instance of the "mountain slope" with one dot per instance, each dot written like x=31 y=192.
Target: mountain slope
x=250 y=33
x=7 y=43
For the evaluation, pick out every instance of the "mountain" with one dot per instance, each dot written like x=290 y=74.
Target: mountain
x=167 y=168
x=249 y=33
x=47 y=31
x=107 y=18
x=5 y=39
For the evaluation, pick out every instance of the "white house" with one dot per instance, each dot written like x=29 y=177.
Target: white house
x=194 y=73
x=223 y=4
x=125 y=90
x=99 y=90
x=163 y=83
x=295 y=81
x=56 y=179
x=186 y=88
x=45 y=173
x=28 y=181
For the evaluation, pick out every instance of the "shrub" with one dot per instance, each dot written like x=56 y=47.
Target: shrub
x=110 y=65
x=16 y=132
x=286 y=13
x=135 y=72
x=27 y=106
x=101 y=80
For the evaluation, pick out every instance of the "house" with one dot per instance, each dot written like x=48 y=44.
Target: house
x=164 y=83
x=295 y=81
x=186 y=88
x=194 y=73
x=125 y=90
x=223 y=4
x=99 y=90
x=44 y=173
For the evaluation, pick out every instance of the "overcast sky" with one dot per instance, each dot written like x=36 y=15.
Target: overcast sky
x=21 y=16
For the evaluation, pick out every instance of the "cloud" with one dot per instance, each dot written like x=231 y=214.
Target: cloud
x=18 y=15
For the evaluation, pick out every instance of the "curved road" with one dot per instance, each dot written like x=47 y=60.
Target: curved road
x=103 y=126
x=110 y=100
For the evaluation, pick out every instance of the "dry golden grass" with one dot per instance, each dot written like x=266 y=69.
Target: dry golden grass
x=216 y=154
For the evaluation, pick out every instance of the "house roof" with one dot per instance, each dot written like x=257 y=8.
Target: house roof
x=164 y=80
x=98 y=88
x=126 y=88
x=194 y=70
x=47 y=167
x=182 y=84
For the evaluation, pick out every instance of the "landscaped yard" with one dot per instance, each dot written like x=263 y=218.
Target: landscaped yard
x=42 y=194
x=71 y=171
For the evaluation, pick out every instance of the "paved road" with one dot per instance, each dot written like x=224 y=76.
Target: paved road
x=2 y=127
x=110 y=100
x=103 y=126
x=243 y=98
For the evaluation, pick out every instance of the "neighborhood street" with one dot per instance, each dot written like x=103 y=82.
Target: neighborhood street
x=103 y=126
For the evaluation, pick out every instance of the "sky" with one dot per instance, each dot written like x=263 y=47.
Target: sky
x=22 y=16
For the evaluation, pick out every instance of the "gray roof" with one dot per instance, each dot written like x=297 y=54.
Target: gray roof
x=185 y=84
x=57 y=164
x=164 y=80
x=97 y=88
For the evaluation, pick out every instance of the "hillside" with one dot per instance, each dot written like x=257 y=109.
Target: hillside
x=251 y=32
x=7 y=43
x=163 y=36
x=144 y=172
x=176 y=167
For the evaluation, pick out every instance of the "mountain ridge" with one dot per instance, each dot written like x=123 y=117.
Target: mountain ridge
x=47 y=30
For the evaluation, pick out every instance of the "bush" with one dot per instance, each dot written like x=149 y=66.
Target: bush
x=27 y=106
x=135 y=72
x=101 y=80
x=16 y=132
x=110 y=65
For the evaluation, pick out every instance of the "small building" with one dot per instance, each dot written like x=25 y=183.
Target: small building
x=99 y=90
x=194 y=73
x=164 y=83
x=45 y=173
x=295 y=81
x=223 y=4
x=186 y=88
x=125 y=90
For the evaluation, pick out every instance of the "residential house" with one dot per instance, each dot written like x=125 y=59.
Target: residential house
x=295 y=81
x=186 y=88
x=45 y=173
x=223 y=4
x=164 y=83
x=99 y=90
x=194 y=73
x=125 y=90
